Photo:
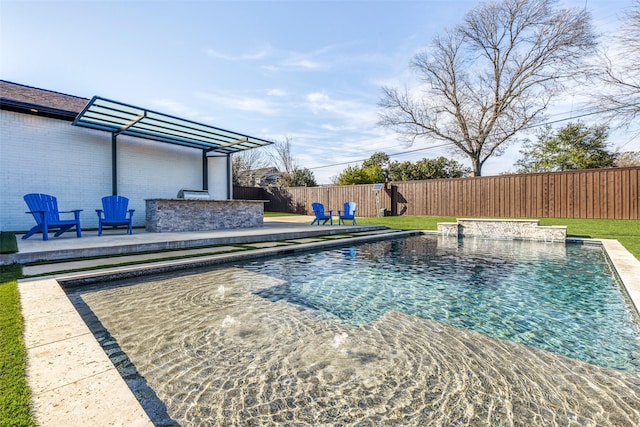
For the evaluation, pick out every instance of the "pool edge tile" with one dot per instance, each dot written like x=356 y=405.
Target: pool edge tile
x=627 y=267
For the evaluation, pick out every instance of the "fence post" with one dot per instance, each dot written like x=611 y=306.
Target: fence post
x=394 y=200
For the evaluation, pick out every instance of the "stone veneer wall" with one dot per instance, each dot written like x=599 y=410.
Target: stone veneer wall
x=169 y=215
x=511 y=229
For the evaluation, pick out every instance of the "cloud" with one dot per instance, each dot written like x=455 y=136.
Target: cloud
x=283 y=60
x=250 y=56
x=301 y=63
x=317 y=59
x=333 y=128
x=241 y=103
x=276 y=92
x=327 y=157
x=180 y=110
x=355 y=115
x=294 y=63
x=317 y=97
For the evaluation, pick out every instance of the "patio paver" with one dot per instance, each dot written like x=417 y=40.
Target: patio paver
x=72 y=381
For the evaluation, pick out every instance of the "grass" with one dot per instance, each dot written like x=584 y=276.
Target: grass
x=14 y=392
x=626 y=231
x=8 y=243
x=274 y=214
x=407 y=222
x=10 y=272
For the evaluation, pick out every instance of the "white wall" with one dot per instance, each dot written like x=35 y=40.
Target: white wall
x=218 y=178
x=41 y=155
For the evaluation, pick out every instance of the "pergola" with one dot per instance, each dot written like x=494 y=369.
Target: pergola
x=123 y=119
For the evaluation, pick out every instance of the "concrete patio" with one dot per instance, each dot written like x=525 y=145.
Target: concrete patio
x=117 y=242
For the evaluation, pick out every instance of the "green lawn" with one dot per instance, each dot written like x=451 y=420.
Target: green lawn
x=273 y=214
x=407 y=222
x=626 y=231
x=14 y=393
x=8 y=244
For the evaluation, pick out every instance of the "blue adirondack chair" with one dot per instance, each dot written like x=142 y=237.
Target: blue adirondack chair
x=114 y=213
x=44 y=209
x=348 y=213
x=318 y=211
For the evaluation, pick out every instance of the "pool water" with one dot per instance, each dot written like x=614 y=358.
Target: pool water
x=552 y=296
x=378 y=334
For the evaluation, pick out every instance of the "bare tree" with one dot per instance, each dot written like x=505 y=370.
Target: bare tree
x=291 y=174
x=281 y=156
x=627 y=159
x=491 y=76
x=620 y=97
x=244 y=163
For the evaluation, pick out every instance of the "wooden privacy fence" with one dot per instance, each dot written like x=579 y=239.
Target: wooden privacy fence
x=594 y=193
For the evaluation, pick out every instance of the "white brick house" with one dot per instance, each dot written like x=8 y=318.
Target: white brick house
x=42 y=152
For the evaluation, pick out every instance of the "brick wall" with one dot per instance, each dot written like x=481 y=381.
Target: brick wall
x=42 y=155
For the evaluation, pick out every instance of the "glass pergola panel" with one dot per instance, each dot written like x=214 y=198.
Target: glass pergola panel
x=122 y=119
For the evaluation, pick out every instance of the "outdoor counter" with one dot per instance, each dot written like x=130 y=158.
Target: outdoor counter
x=169 y=215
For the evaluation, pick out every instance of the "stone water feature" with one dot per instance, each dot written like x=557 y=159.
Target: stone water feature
x=504 y=229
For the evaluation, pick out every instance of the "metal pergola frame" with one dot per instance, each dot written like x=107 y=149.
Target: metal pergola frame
x=119 y=118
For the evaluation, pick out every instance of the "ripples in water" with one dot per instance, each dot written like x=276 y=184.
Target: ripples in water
x=215 y=352
x=557 y=297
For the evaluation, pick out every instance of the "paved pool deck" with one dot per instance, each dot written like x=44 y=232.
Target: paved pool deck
x=72 y=380
x=117 y=242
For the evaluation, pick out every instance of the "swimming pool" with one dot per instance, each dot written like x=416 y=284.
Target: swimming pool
x=557 y=297
x=374 y=334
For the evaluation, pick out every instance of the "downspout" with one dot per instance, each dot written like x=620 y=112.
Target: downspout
x=205 y=171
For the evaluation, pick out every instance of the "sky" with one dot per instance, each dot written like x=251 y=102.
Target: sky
x=311 y=72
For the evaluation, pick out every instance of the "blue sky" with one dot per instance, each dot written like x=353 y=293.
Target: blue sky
x=311 y=71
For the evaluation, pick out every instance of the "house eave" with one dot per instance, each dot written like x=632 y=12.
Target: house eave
x=36 y=109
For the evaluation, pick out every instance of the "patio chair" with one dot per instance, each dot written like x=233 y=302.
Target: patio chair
x=114 y=213
x=348 y=213
x=318 y=211
x=44 y=209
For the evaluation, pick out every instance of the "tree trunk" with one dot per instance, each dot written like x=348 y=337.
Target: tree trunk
x=476 y=165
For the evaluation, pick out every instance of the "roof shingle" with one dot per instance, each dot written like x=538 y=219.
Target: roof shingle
x=16 y=95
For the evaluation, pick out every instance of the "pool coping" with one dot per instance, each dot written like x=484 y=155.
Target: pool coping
x=72 y=380
x=627 y=267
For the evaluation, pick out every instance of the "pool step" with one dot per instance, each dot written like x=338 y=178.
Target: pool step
x=187 y=255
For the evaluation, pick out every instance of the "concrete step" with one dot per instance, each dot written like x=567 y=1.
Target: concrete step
x=144 y=258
